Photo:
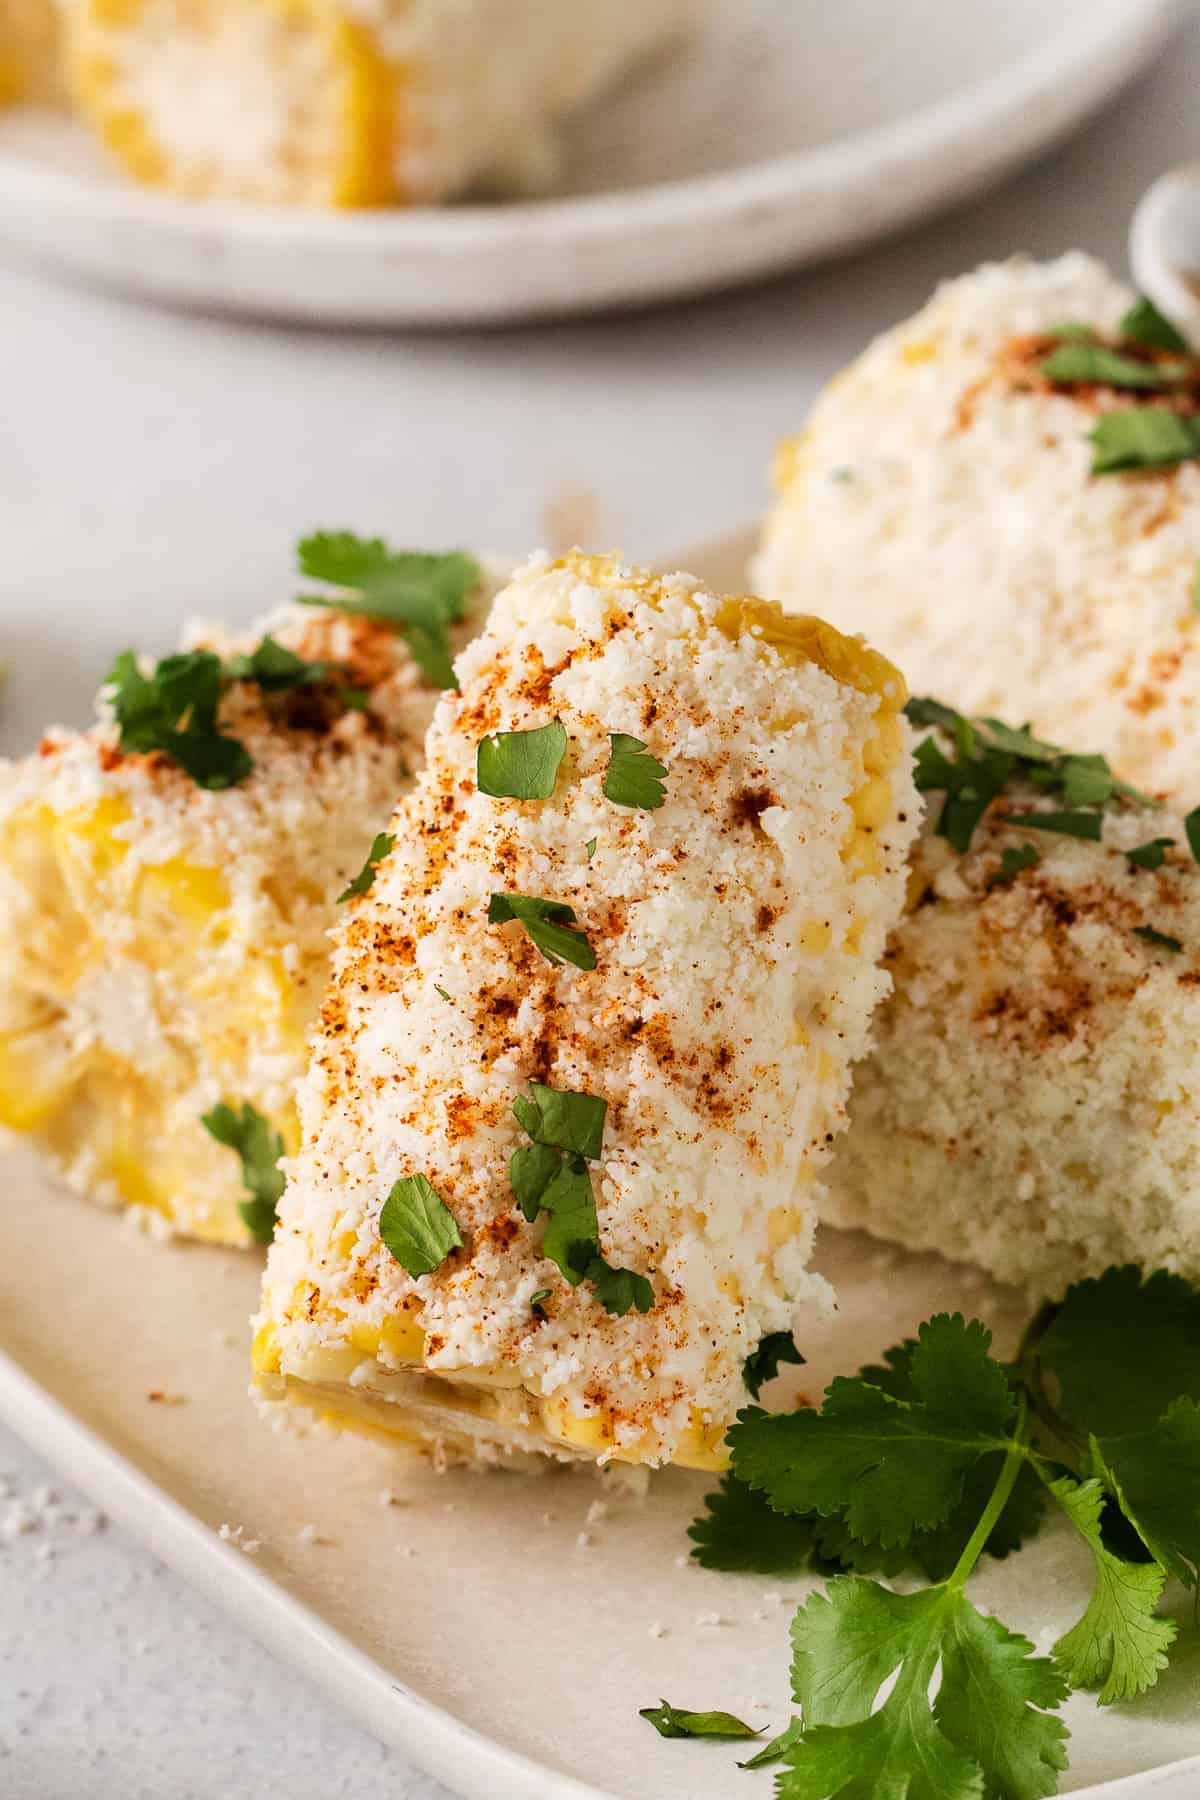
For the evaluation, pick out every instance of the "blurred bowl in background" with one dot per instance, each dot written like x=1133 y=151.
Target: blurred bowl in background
x=782 y=135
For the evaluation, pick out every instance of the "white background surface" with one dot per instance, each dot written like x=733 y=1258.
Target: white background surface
x=147 y=457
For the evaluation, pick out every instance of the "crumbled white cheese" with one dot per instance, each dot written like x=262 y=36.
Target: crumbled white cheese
x=1030 y=1091
x=974 y=546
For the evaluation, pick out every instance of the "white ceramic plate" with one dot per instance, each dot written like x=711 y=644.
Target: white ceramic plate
x=470 y=1625
x=785 y=133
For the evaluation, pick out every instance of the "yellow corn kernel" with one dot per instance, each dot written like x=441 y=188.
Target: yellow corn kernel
x=264 y=1351
x=702 y=1446
x=86 y=837
x=587 y=1431
x=403 y=1337
x=871 y=804
x=188 y=890
x=788 y=462
x=329 y=93
x=783 y=1224
x=800 y=638
x=861 y=853
x=883 y=751
x=37 y=1072
x=815 y=936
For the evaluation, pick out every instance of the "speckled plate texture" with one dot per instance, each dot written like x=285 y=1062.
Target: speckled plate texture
x=781 y=134
x=501 y=1630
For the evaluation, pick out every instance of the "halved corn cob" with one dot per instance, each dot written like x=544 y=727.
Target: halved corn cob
x=736 y=930
x=1029 y=1103
x=29 y=51
x=954 y=479
x=163 y=947
x=348 y=103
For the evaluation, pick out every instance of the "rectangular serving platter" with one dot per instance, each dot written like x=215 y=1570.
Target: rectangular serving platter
x=501 y=1631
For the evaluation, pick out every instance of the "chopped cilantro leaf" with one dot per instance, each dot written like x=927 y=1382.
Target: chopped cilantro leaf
x=590 y=847
x=536 y=1299
x=1095 y=363
x=619 y=1289
x=549 y=924
x=572 y=1231
x=259 y=1149
x=1192 y=827
x=174 y=710
x=531 y=1169
x=442 y=992
x=1118 y=1646
x=1072 y=332
x=1013 y=861
x=417 y=1226
x=763 y=1364
x=564 y=1119
x=521 y=765
x=634 y=778
x=1151 y=855
x=275 y=668
x=1161 y=939
x=417 y=594
x=1144 y=324
x=1065 y=824
x=675 y=1722
x=364 y=881
x=1142 y=437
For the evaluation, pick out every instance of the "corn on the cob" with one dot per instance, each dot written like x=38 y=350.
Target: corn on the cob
x=29 y=51
x=953 y=478
x=736 y=930
x=348 y=103
x=163 y=947
x=1029 y=1103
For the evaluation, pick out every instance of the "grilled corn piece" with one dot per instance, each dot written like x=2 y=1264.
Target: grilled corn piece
x=316 y=103
x=735 y=920
x=163 y=947
x=1029 y=1103
x=954 y=478
x=29 y=51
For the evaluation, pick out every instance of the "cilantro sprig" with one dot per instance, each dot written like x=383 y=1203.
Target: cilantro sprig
x=942 y=1447
x=988 y=757
x=417 y=594
x=550 y=1175
x=259 y=1149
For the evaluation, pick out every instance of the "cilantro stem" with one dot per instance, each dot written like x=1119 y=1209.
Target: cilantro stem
x=1000 y=1496
x=1028 y=1367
